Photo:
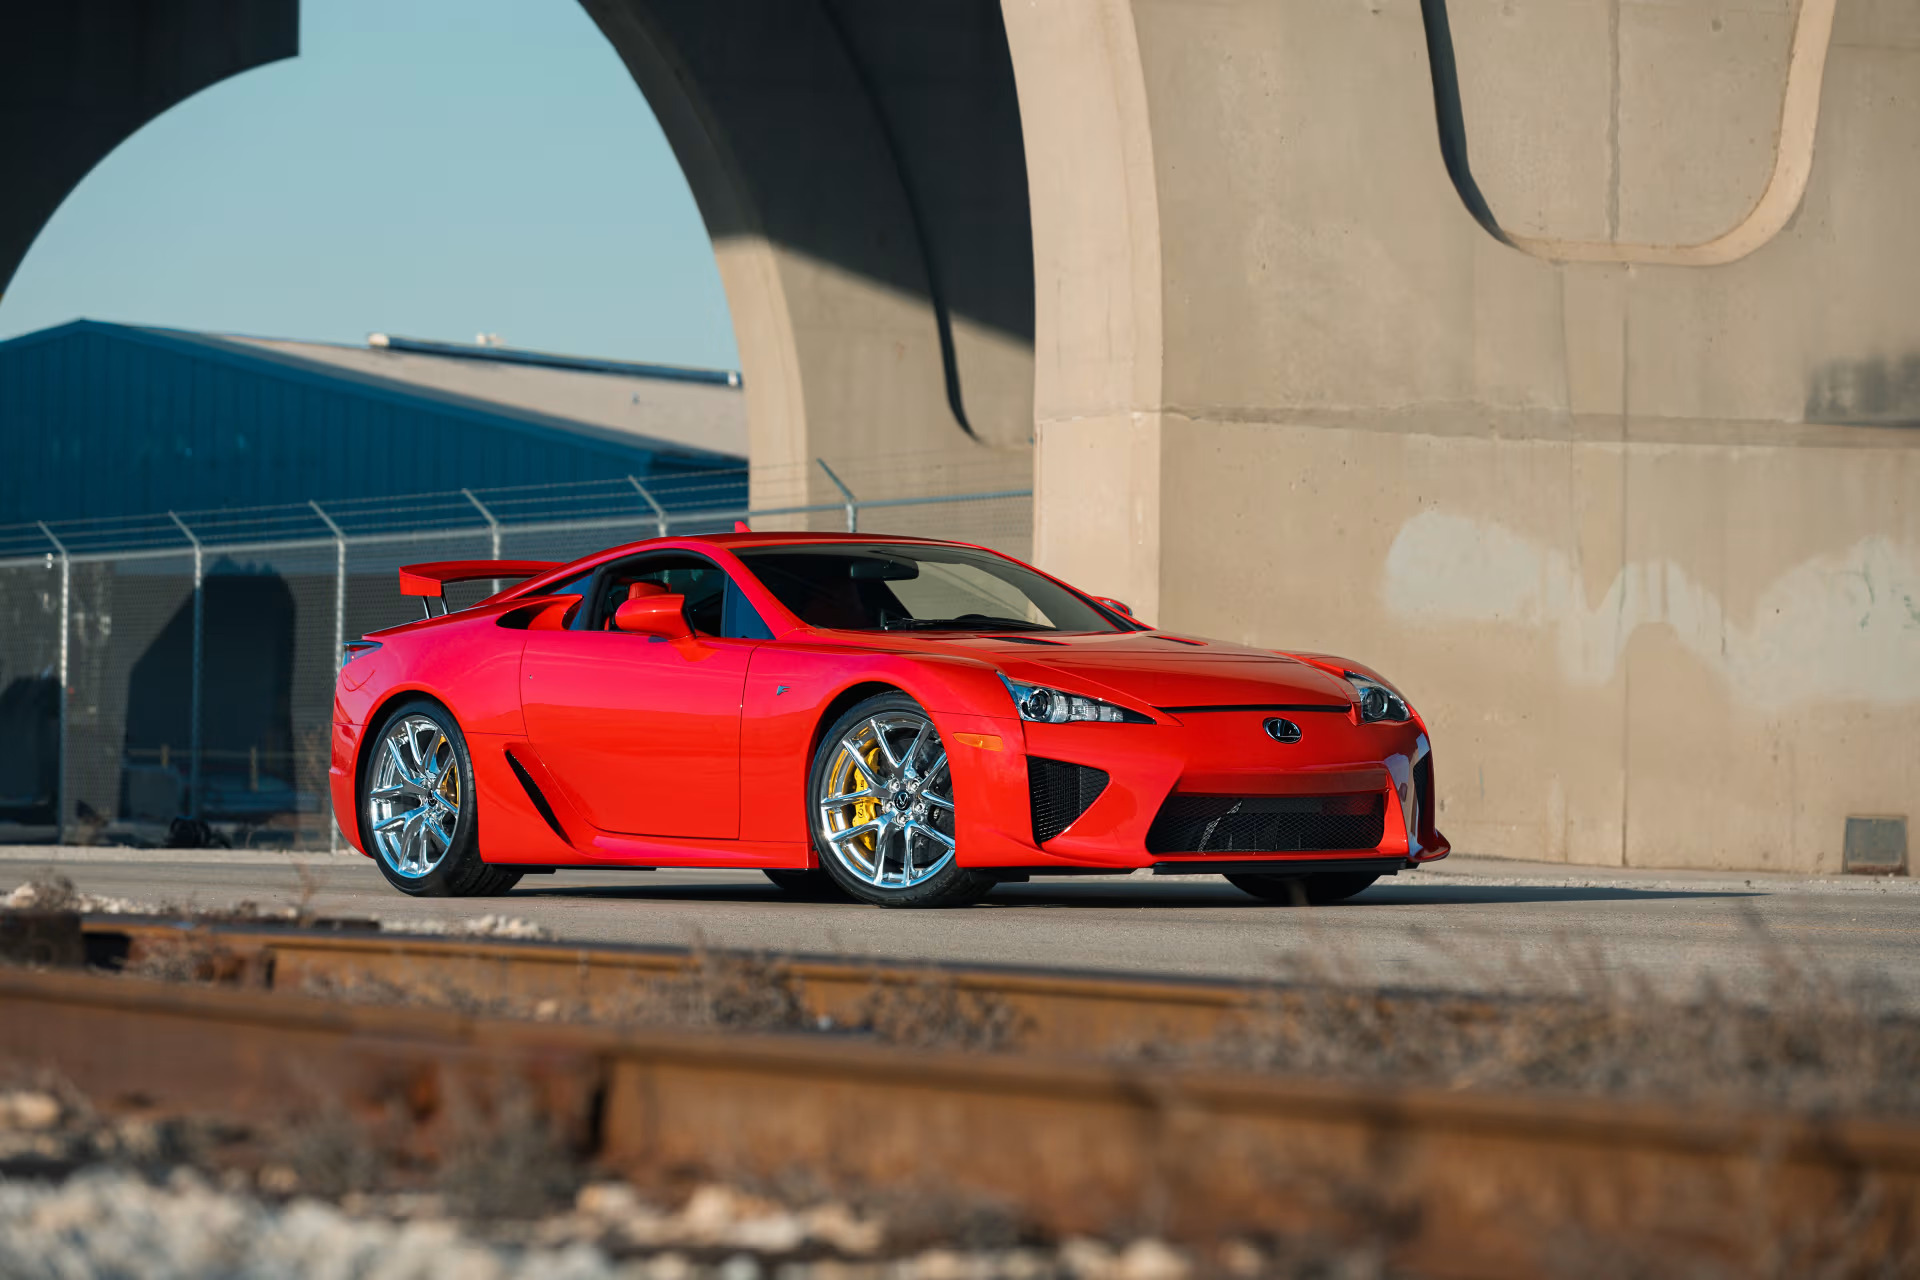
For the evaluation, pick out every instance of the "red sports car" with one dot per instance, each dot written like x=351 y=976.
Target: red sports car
x=905 y=721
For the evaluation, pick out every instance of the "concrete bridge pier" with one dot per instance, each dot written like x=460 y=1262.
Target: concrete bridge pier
x=1559 y=360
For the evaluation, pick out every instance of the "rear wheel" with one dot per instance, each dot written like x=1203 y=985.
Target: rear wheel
x=1303 y=891
x=417 y=808
x=881 y=809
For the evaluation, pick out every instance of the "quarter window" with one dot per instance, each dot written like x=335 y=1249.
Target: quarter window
x=714 y=603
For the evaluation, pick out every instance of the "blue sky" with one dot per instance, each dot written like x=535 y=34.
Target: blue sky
x=433 y=168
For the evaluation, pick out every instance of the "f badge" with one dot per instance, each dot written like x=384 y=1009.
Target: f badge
x=1282 y=730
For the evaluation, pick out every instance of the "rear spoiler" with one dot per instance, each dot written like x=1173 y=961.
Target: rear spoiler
x=430 y=580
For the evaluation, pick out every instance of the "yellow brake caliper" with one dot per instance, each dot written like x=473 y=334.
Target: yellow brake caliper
x=867 y=810
x=450 y=780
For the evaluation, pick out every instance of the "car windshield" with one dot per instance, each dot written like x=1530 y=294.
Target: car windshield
x=876 y=587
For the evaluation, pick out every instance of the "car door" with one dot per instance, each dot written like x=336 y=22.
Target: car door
x=643 y=732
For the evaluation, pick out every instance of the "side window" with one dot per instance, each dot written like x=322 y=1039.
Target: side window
x=740 y=619
x=714 y=605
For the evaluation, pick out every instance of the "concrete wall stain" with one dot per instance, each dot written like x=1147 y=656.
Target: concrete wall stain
x=1833 y=627
x=1879 y=391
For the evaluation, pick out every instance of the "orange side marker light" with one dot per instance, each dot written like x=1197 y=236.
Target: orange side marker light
x=984 y=741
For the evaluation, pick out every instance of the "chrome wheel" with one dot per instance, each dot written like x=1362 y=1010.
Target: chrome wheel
x=885 y=803
x=414 y=804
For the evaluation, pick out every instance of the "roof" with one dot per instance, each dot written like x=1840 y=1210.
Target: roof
x=632 y=405
x=650 y=403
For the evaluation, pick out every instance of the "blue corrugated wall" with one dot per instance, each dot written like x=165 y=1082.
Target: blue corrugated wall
x=106 y=420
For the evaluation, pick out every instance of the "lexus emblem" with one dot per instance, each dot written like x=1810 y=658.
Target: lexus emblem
x=1282 y=730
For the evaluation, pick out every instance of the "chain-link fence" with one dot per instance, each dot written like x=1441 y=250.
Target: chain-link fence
x=182 y=665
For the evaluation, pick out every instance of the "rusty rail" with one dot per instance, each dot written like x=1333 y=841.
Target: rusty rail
x=1054 y=1011
x=1474 y=1184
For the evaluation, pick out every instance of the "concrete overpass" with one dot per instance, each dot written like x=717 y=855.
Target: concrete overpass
x=1560 y=359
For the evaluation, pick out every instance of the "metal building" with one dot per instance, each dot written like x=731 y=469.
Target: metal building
x=107 y=420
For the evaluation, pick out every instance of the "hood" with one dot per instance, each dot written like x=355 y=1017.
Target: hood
x=1156 y=668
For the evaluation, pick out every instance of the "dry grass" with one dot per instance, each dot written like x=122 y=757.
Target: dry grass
x=725 y=991
x=932 y=1012
x=1808 y=1041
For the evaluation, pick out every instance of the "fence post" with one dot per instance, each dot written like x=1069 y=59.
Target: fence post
x=339 y=639
x=199 y=633
x=493 y=528
x=659 y=512
x=853 y=504
x=66 y=694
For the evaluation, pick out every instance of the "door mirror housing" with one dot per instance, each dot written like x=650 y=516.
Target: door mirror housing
x=660 y=615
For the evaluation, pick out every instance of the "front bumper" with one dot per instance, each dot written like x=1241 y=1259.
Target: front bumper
x=1206 y=754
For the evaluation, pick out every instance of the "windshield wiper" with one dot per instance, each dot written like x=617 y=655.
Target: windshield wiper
x=971 y=622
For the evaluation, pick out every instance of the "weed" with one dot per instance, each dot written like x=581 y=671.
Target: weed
x=933 y=1012
x=1813 y=1042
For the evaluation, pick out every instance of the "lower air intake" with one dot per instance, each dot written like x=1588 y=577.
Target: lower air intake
x=1061 y=792
x=1267 y=824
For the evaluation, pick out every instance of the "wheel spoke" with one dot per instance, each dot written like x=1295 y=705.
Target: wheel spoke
x=407 y=775
x=394 y=792
x=411 y=732
x=936 y=833
x=836 y=837
x=848 y=797
x=942 y=801
x=926 y=726
x=886 y=749
x=398 y=819
x=415 y=817
x=860 y=765
x=444 y=840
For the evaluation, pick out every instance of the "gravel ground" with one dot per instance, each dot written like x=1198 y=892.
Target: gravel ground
x=90 y=1197
x=105 y=1222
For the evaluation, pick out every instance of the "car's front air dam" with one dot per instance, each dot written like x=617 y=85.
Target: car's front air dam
x=1222 y=753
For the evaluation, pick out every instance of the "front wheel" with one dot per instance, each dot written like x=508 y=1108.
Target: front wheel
x=881 y=809
x=417 y=808
x=1315 y=890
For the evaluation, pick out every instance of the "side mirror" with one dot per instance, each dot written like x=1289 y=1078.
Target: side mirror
x=660 y=616
x=1115 y=605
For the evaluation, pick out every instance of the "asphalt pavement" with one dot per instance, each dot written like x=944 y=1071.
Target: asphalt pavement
x=1466 y=922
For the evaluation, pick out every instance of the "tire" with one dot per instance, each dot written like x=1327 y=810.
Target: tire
x=807 y=886
x=418 y=761
x=1303 y=891
x=890 y=844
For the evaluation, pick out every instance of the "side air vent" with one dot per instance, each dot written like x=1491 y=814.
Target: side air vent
x=1267 y=824
x=1423 y=797
x=1061 y=792
x=533 y=794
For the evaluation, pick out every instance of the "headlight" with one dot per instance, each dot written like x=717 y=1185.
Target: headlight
x=1051 y=706
x=1377 y=702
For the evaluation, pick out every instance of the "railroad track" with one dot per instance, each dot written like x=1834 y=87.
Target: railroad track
x=1058 y=1011
x=1475 y=1184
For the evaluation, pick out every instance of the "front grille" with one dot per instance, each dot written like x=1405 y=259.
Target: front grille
x=1267 y=824
x=1061 y=792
